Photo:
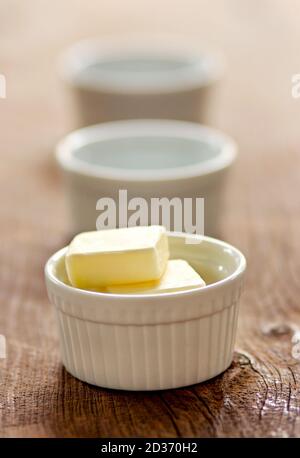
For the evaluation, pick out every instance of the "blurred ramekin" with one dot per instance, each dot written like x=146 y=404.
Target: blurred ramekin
x=152 y=342
x=120 y=79
x=148 y=159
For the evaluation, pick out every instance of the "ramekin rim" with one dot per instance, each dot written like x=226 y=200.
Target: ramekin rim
x=239 y=271
x=139 y=127
x=93 y=49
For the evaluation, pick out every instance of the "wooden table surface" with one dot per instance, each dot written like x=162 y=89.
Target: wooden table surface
x=259 y=394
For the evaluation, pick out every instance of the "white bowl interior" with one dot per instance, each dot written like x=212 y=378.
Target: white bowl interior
x=212 y=259
x=145 y=152
x=138 y=70
x=146 y=149
x=136 y=66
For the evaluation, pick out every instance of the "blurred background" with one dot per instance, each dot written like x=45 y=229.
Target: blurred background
x=259 y=40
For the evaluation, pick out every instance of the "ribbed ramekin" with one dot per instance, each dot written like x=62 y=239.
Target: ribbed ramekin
x=118 y=79
x=148 y=159
x=152 y=342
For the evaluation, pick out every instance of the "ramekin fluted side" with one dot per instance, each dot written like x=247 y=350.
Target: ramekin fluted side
x=148 y=357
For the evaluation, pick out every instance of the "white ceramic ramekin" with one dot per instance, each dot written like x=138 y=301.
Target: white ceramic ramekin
x=152 y=342
x=148 y=159
x=113 y=80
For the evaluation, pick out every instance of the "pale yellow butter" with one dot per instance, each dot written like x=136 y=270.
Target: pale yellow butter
x=178 y=276
x=117 y=256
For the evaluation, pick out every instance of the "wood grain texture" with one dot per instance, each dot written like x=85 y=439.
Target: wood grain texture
x=259 y=395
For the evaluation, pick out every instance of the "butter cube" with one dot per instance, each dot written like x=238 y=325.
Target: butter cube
x=178 y=276
x=117 y=256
